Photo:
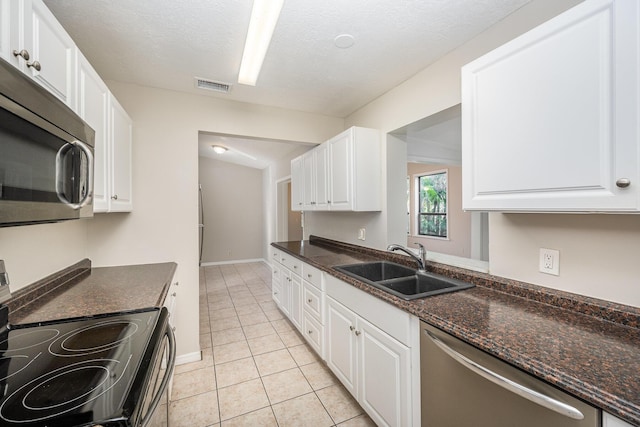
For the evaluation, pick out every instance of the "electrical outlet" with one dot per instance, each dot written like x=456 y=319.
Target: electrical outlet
x=362 y=233
x=549 y=261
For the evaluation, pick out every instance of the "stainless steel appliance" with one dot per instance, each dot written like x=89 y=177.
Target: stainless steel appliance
x=46 y=155
x=104 y=370
x=463 y=386
x=201 y=222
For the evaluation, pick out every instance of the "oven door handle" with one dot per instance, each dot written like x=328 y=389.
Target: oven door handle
x=171 y=359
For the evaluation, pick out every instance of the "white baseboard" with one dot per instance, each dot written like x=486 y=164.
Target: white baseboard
x=237 y=261
x=196 y=356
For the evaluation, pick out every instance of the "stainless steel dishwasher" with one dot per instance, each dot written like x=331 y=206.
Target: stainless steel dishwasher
x=466 y=387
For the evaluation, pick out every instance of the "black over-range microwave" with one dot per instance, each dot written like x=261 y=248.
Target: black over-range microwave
x=46 y=155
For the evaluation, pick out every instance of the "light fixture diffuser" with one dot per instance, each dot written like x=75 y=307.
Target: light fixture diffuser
x=219 y=149
x=264 y=16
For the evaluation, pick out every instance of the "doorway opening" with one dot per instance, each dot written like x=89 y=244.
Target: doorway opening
x=289 y=224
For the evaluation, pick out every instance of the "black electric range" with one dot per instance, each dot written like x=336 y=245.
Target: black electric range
x=88 y=371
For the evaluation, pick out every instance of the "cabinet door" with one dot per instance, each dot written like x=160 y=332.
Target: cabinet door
x=384 y=387
x=295 y=314
x=285 y=294
x=297 y=184
x=549 y=120
x=341 y=171
x=609 y=420
x=93 y=108
x=120 y=132
x=10 y=28
x=54 y=50
x=321 y=176
x=341 y=344
x=309 y=189
x=276 y=284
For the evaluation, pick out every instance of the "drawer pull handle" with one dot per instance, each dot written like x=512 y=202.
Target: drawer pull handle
x=309 y=300
x=309 y=276
x=357 y=333
x=309 y=332
x=352 y=328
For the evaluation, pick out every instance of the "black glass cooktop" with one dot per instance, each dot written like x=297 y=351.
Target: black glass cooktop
x=74 y=372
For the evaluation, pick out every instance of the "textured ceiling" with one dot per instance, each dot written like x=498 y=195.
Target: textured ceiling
x=166 y=43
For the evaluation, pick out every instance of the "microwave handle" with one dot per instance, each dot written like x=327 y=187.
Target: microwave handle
x=87 y=198
x=171 y=360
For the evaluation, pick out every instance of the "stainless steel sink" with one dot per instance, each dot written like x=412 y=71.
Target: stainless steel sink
x=404 y=282
x=377 y=271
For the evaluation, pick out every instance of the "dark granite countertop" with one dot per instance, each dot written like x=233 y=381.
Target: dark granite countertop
x=587 y=347
x=80 y=290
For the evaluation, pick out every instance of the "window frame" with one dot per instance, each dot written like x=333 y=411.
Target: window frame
x=417 y=214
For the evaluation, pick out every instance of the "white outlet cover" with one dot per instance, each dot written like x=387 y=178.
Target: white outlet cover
x=549 y=262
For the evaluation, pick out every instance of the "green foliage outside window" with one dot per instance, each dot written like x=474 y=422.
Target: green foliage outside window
x=432 y=205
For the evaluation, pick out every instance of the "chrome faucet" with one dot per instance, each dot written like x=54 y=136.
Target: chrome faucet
x=421 y=259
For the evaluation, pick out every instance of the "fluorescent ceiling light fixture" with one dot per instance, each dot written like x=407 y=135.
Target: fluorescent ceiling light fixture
x=264 y=17
x=219 y=149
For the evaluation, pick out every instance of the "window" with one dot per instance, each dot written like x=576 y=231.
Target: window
x=432 y=204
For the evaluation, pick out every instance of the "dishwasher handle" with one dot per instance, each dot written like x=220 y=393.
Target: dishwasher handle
x=171 y=359
x=506 y=383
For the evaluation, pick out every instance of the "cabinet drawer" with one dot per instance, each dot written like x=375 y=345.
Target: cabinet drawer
x=292 y=263
x=312 y=275
x=313 y=302
x=314 y=333
x=275 y=256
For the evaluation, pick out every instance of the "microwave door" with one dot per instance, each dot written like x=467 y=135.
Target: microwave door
x=43 y=177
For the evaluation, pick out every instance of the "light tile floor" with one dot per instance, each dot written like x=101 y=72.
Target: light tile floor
x=256 y=369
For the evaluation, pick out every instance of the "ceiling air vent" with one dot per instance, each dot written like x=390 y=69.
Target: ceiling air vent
x=211 y=85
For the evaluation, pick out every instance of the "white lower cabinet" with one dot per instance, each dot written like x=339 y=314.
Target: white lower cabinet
x=286 y=287
x=609 y=420
x=371 y=364
x=371 y=347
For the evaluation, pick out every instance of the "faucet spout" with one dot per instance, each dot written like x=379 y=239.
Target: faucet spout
x=420 y=260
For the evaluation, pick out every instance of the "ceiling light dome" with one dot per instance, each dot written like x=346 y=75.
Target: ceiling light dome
x=219 y=149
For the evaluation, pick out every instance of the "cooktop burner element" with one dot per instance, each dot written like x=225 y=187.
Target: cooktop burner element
x=75 y=372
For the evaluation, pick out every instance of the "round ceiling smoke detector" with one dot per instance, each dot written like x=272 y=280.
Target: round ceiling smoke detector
x=344 y=41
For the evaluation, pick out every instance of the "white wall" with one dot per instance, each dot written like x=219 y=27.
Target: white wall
x=598 y=253
x=233 y=214
x=32 y=252
x=164 y=223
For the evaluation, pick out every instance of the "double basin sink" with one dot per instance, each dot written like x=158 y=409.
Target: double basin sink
x=402 y=281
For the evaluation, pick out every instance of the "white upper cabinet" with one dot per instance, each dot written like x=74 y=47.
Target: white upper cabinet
x=297 y=184
x=315 y=189
x=121 y=138
x=550 y=119
x=342 y=174
x=93 y=107
x=35 y=42
x=112 y=186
